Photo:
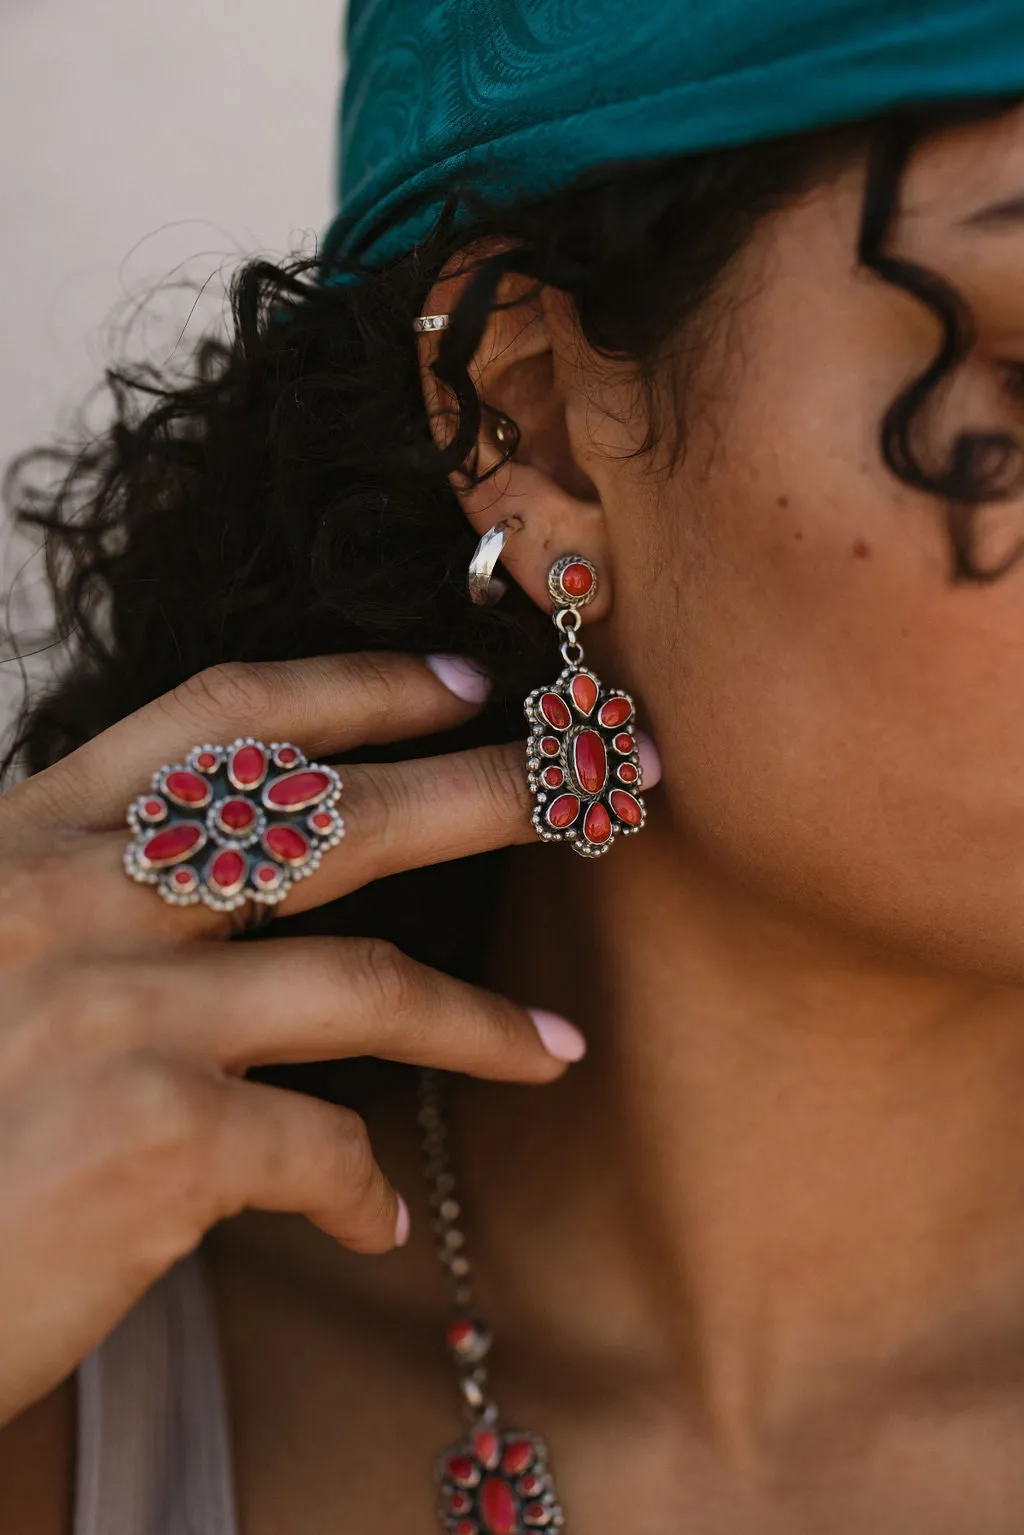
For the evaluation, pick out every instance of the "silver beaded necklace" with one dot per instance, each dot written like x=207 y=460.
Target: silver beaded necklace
x=495 y=1482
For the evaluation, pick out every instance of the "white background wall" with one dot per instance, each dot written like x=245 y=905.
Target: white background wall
x=141 y=140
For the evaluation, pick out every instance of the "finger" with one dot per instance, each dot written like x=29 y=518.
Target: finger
x=287 y=1152
x=397 y=816
x=327 y=705
x=406 y=815
x=72 y=890
x=178 y=1147
x=294 y=999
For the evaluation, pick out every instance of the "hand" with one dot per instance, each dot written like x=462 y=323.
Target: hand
x=126 y=1126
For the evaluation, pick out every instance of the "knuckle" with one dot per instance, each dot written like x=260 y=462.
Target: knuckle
x=55 y=1024
x=356 y=1166
x=167 y=1114
x=361 y=1188
x=373 y=798
x=501 y=780
x=382 y=974
x=147 y=1129
x=91 y=1005
x=374 y=680
x=21 y=800
x=171 y=1126
x=234 y=692
x=34 y=888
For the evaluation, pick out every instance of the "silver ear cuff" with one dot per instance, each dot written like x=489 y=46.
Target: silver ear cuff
x=429 y=322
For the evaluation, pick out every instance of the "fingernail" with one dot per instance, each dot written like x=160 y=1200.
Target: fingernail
x=559 y=1037
x=650 y=759
x=462 y=677
x=402 y=1224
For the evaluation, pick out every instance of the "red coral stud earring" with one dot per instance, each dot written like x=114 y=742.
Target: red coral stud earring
x=582 y=755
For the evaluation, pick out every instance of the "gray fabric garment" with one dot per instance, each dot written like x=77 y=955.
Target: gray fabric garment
x=153 y=1448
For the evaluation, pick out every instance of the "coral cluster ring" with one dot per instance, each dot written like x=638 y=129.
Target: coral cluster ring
x=233 y=824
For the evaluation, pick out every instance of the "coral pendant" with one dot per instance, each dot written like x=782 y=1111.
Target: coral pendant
x=497 y=1484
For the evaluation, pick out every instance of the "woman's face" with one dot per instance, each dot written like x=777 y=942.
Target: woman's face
x=842 y=728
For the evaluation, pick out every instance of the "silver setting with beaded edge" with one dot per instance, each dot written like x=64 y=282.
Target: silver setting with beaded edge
x=233 y=824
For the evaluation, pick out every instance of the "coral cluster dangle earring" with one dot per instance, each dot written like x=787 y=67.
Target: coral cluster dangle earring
x=582 y=757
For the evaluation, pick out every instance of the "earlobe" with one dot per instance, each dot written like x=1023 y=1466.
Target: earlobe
x=527 y=473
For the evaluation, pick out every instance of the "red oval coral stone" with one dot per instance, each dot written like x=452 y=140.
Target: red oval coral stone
x=227 y=871
x=486 y=1448
x=287 y=756
x=237 y=815
x=628 y=772
x=154 y=808
x=555 y=711
x=323 y=820
x=615 y=712
x=536 y=1513
x=298 y=790
x=267 y=874
x=577 y=580
x=518 y=1457
x=597 y=826
x=286 y=843
x=461 y=1469
x=174 y=843
x=549 y=746
x=459 y=1502
x=498 y=1507
x=247 y=767
x=206 y=761
x=624 y=743
x=467 y=1527
x=584 y=693
x=531 y=1487
x=553 y=777
x=563 y=811
x=187 y=788
x=183 y=877
x=626 y=807
x=590 y=761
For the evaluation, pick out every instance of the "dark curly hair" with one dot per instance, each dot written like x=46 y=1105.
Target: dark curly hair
x=286 y=498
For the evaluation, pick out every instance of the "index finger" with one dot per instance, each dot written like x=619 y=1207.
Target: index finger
x=330 y=704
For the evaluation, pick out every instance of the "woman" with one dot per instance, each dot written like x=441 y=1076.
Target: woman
x=732 y=320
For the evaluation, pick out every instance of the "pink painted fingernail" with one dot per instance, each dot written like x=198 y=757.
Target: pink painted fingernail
x=462 y=677
x=403 y=1223
x=650 y=759
x=559 y=1037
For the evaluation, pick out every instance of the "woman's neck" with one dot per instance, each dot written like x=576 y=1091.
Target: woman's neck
x=784 y=1173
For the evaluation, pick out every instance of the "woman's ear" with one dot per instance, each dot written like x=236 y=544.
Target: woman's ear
x=526 y=368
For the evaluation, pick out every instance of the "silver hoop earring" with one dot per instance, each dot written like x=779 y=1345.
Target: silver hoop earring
x=485 y=588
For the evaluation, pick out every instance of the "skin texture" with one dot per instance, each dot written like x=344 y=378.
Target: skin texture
x=755 y=1265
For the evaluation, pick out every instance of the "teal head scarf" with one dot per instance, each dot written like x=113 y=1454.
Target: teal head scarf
x=519 y=97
